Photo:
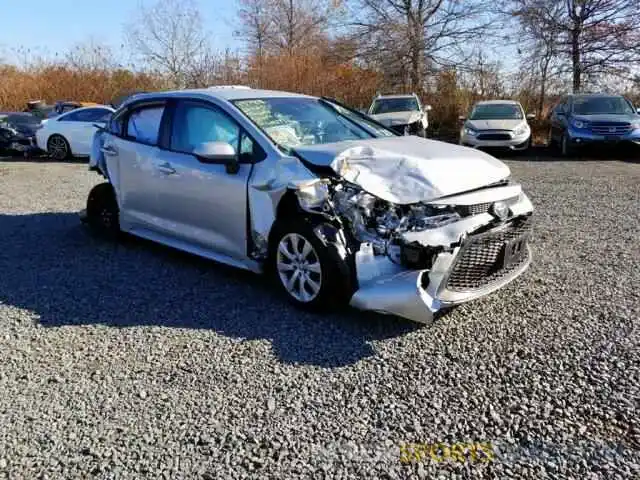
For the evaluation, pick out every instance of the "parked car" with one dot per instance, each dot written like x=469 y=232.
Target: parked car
x=71 y=134
x=39 y=108
x=17 y=132
x=586 y=119
x=497 y=124
x=403 y=114
x=333 y=205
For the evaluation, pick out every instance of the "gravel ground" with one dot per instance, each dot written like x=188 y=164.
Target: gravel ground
x=135 y=361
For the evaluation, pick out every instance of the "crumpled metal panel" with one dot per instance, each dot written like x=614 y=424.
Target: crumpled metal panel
x=406 y=170
x=268 y=183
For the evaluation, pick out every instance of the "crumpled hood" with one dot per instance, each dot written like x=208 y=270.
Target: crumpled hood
x=494 y=124
x=405 y=170
x=397 y=118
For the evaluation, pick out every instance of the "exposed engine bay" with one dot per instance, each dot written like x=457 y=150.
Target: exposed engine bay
x=371 y=220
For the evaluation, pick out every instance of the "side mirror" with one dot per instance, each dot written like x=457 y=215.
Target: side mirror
x=638 y=111
x=428 y=108
x=531 y=116
x=100 y=125
x=218 y=153
x=461 y=118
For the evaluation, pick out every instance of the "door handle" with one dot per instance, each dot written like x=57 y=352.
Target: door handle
x=166 y=168
x=108 y=151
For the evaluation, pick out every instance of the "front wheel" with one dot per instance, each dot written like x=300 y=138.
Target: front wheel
x=308 y=272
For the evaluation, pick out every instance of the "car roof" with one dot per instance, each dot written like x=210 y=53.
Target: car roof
x=594 y=95
x=228 y=93
x=498 y=102
x=400 y=95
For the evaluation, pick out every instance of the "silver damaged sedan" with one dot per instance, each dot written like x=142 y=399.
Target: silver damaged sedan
x=336 y=207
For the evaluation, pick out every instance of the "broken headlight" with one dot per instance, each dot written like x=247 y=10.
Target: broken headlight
x=312 y=196
x=378 y=222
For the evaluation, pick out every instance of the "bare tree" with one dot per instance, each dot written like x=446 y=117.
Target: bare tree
x=598 y=37
x=286 y=26
x=169 y=37
x=255 y=24
x=419 y=35
x=91 y=56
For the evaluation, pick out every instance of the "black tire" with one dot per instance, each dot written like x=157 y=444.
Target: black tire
x=103 y=214
x=58 y=147
x=335 y=279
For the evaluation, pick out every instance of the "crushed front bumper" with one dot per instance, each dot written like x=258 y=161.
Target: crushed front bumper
x=477 y=265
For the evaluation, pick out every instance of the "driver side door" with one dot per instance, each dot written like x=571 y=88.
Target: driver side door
x=204 y=206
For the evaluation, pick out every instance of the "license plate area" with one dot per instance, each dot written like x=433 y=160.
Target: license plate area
x=514 y=251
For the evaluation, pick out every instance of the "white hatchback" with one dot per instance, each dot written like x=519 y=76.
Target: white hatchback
x=71 y=134
x=497 y=124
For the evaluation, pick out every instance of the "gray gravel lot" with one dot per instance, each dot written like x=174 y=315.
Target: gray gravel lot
x=135 y=361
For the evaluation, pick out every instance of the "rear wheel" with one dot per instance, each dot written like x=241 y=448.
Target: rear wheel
x=103 y=212
x=58 y=147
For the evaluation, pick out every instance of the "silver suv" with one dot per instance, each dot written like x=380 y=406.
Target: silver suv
x=332 y=204
x=404 y=114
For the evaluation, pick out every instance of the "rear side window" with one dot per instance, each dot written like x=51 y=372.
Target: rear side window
x=89 y=115
x=143 y=124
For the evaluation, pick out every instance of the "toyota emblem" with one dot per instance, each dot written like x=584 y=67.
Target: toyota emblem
x=500 y=210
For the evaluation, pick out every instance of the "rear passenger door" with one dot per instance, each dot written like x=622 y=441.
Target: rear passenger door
x=131 y=153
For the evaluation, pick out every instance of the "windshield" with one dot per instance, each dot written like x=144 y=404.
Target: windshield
x=297 y=121
x=499 y=111
x=391 y=105
x=601 y=105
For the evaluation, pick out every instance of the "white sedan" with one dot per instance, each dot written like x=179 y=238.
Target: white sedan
x=71 y=134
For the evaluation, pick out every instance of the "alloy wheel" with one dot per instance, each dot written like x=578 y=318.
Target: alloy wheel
x=57 y=148
x=299 y=267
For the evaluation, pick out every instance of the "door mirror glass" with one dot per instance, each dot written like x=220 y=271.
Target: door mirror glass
x=462 y=118
x=218 y=152
x=428 y=108
x=531 y=116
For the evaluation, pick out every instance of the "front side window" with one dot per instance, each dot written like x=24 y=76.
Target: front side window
x=194 y=124
x=298 y=121
x=392 y=105
x=144 y=124
x=497 y=112
x=601 y=105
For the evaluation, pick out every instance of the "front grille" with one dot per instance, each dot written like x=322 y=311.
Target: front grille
x=494 y=136
x=479 y=262
x=610 y=128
